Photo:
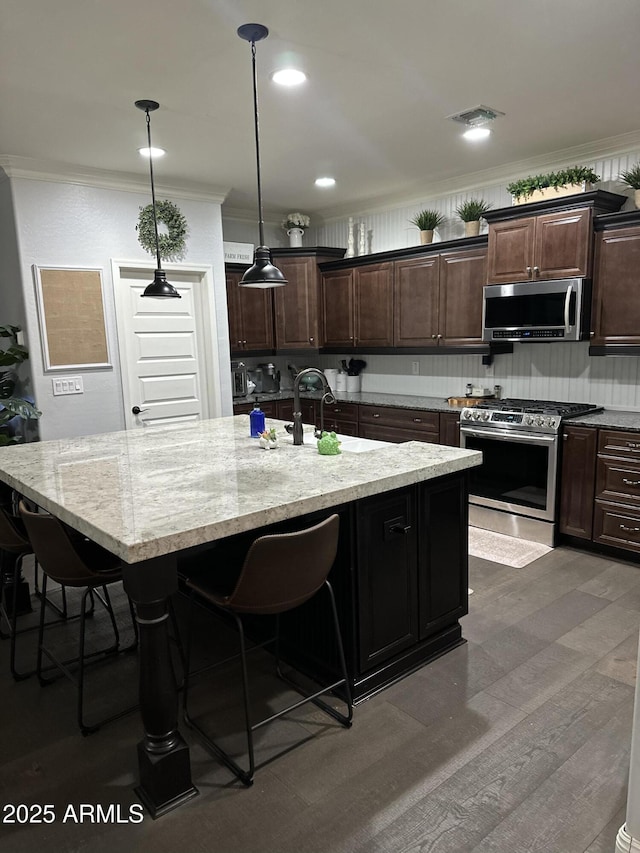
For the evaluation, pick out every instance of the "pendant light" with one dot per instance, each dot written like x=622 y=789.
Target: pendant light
x=263 y=273
x=159 y=287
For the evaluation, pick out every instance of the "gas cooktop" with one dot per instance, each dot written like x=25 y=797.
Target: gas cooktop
x=541 y=407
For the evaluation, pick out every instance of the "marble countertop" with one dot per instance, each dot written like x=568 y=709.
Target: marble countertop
x=144 y=493
x=611 y=418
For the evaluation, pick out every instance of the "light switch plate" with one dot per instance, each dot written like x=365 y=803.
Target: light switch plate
x=68 y=385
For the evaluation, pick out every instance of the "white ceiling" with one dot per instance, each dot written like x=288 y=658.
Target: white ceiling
x=382 y=79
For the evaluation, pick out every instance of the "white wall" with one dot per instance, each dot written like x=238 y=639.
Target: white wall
x=73 y=225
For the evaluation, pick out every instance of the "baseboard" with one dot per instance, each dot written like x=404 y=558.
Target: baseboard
x=625 y=843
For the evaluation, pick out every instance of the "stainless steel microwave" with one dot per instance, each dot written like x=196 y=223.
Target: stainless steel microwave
x=557 y=310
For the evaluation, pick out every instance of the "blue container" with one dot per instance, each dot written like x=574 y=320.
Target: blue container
x=256 y=420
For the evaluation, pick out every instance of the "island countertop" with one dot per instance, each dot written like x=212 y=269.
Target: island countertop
x=145 y=493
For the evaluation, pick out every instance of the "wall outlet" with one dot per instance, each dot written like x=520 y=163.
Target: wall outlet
x=489 y=370
x=415 y=368
x=69 y=385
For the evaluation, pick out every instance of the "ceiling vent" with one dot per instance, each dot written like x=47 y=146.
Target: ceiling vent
x=476 y=116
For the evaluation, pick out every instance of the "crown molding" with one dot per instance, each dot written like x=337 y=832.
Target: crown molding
x=610 y=147
x=65 y=173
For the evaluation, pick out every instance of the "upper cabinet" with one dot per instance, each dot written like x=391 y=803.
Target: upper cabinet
x=298 y=322
x=545 y=240
x=616 y=296
x=357 y=306
x=250 y=312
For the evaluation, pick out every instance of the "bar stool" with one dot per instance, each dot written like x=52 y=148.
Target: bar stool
x=280 y=572
x=85 y=565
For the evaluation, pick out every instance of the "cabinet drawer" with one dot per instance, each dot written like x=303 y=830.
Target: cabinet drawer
x=414 y=419
x=618 y=443
x=618 y=480
x=342 y=412
x=268 y=407
x=617 y=525
x=381 y=432
x=332 y=424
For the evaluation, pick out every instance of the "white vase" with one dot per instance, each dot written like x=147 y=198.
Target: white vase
x=295 y=237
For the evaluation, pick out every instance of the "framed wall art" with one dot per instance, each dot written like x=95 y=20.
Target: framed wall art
x=72 y=318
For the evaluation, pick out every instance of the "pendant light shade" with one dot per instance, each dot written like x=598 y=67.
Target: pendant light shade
x=159 y=287
x=263 y=273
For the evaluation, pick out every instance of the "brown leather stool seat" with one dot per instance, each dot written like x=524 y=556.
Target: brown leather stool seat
x=280 y=572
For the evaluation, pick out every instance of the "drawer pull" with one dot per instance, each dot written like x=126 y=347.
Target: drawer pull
x=417 y=420
x=629 y=529
x=630 y=482
x=632 y=445
x=400 y=528
x=376 y=414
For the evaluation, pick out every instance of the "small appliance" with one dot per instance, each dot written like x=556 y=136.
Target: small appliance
x=239 y=379
x=266 y=377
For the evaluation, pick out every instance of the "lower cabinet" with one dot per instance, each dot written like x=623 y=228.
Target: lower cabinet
x=340 y=417
x=269 y=407
x=450 y=429
x=386 y=423
x=577 y=479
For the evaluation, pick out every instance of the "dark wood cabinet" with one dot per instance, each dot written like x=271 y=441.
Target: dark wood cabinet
x=269 y=407
x=616 y=295
x=357 y=307
x=386 y=423
x=577 y=481
x=450 y=429
x=340 y=417
x=616 y=518
x=250 y=312
x=297 y=303
x=547 y=246
x=438 y=299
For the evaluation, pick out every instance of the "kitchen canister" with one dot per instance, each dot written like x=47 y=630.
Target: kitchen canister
x=354 y=383
x=341 y=382
x=331 y=375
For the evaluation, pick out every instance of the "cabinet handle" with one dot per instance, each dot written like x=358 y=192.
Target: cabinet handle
x=630 y=482
x=632 y=446
x=433 y=337
x=337 y=411
x=399 y=528
x=439 y=337
x=629 y=529
x=244 y=342
x=417 y=420
x=536 y=270
x=528 y=271
x=376 y=414
x=239 y=343
x=310 y=340
x=350 y=337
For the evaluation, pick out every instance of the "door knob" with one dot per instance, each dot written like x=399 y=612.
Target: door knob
x=136 y=410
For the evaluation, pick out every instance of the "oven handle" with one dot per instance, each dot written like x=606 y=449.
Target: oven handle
x=567 y=302
x=494 y=435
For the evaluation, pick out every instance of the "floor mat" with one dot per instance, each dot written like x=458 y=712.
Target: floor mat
x=508 y=550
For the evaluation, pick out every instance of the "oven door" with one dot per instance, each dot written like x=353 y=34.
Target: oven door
x=518 y=471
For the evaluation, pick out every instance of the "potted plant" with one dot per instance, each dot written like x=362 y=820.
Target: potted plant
x=294 y=224
x=632 y=179
x=427 y=221
x=568 y=181
x=471 y=212
x=12 y=406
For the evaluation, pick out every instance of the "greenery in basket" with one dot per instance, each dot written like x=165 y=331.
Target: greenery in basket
x=473 y=209
x=427 y=220
x=631 y=177
x=12 y=355
x=572 y=175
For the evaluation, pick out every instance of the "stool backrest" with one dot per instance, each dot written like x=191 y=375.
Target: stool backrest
x=12 y=537
x=283 y=570
x=54 y=549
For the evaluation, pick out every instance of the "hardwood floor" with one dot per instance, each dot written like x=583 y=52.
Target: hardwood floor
x=516 y=742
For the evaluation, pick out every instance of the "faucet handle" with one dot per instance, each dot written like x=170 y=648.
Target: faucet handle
x=328 y=399
x=317 y=433
x=289 y=428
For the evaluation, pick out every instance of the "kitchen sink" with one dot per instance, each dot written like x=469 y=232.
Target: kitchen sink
x=352 y=444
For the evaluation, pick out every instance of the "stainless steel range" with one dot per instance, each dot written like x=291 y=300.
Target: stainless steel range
x=515 y=489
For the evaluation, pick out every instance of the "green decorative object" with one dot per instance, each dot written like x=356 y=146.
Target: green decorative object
x=573 y=175
x=329 y=445
x=171 y=245
x=427 y=220
x=12 y=406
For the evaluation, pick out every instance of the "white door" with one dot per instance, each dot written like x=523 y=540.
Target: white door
x=165 y=346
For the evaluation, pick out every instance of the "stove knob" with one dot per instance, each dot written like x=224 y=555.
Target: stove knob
x=466 y=414
x=539 y=421
x=486 y=416
x=528 y=420
x=476 y=415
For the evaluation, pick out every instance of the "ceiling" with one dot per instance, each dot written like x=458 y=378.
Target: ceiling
x=382 y=79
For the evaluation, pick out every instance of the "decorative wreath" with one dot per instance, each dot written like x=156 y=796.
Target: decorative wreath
x=171 y=244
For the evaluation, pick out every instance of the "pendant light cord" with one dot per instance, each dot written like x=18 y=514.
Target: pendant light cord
x=153 y=192
x=257 y=131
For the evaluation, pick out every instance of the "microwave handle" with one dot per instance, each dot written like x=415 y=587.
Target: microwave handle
x=567 y=303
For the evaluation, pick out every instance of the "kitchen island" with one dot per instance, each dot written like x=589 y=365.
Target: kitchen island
x=153 y=496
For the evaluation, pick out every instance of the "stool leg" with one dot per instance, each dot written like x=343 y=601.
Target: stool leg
x=18 y=676
x=343 y=662
x=41 y=630
x=112 y=617
x=83 y=616
x=245 y=778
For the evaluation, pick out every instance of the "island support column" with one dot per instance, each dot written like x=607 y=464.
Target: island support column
x=163 y=755
x=628 y=840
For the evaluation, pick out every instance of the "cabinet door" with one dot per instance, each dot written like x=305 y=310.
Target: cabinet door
x=616 y=296
x=463 y=274
x=415 y=302
x=256 y=305
x=337 y=308
x=234 y=312
x=510 y=250
x=577 y=481
x=450 y=429
x=284 y=409
x=563 y=244
x=296 y=305
x=387 y=587
x=443 y=563
x=373 y=298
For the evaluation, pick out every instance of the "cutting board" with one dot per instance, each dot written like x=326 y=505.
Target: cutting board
x=467 y=401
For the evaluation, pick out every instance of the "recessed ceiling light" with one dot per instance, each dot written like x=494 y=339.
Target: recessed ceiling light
x=152 y=152
x=289 y=77
x=475 y=133
x=325 y=182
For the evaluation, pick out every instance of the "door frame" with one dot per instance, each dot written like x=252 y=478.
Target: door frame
x=206 y=323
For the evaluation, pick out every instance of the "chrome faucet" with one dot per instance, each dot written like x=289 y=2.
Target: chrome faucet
x=327 y=397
